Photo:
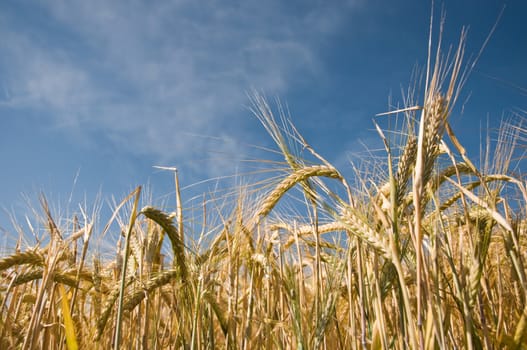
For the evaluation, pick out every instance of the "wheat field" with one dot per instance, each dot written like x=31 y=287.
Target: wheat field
x=426 y=253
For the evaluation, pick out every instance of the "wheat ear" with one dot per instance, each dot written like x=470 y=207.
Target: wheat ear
x=296 y=177
x=32 y=257
x=163 y=220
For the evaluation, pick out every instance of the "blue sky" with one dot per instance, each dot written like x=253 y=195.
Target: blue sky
x=95 y=93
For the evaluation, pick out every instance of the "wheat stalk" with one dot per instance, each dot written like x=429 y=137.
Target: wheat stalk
x=31 y=257
x=296 y=177
x=164 y=220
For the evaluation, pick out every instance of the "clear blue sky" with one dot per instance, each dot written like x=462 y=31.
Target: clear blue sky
x=107 y=89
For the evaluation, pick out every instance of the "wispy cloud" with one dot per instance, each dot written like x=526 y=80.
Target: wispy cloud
x=148 y=75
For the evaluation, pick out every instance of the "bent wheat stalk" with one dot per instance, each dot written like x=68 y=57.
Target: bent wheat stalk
x=296 y=177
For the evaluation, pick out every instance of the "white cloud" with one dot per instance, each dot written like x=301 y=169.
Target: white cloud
x=148 y=75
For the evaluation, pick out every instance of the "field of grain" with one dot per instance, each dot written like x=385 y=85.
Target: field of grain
x=428 y=252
